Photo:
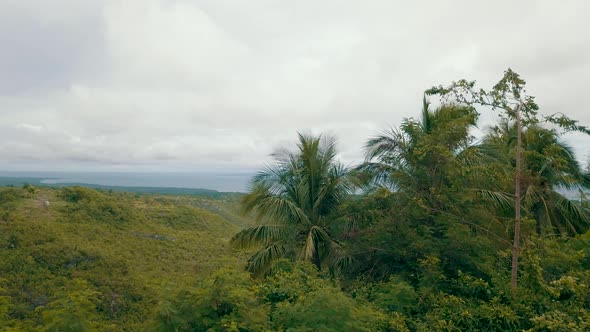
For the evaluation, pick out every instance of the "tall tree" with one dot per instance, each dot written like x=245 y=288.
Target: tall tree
x=508 y=95
x=418 y=158
x=294 y=200
x=550 y=165
x=432 y=174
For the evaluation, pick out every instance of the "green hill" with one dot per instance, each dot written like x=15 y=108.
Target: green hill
x=38 y=182
x=62 y=249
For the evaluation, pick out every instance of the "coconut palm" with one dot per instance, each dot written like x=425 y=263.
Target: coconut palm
x=294 y=200
x=437 y=178
x=549 y=165
x=417 y=157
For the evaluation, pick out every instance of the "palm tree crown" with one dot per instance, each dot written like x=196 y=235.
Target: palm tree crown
x=548 y=165
x=417 y=157
x=294 y=200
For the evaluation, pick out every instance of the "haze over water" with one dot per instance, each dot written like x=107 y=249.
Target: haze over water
x=221 y=181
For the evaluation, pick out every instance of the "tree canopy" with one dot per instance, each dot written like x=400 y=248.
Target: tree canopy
x=295 y=199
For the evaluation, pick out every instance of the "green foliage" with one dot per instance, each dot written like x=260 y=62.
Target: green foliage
x=72 y=259
x=74 y=311
x=292 y=298
x=9 y=198
x=288 y=282
x=4 y=301
x=418 y=157
x=549 y=164
x=296 y=199
x=326 y=309
x=225 y=301
x=30 y=189
x=557 y=321
x=90 y=205
x=301 y=300
x=394 y=295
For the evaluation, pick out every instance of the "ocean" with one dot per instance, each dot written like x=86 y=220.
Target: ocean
x=220 y=181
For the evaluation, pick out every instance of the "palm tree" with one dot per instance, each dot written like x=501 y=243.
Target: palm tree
x=437 y=180
x=434 y=163
x=417 y=158
x=294 y=200
x=549 y=164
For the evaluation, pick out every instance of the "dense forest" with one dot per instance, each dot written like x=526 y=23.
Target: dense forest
x=420 y=236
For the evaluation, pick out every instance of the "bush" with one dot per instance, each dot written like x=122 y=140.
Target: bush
x=226 y=301
x=89 y=205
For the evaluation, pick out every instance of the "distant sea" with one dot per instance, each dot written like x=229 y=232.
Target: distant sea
x=220 y=181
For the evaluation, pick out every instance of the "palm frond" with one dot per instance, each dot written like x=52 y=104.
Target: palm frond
x=261 y=235
x=334 y=187
x=531 y=195
x=310 y=248
x=426 y=116
x=262 y=260
x=315 y=237
x=378 y=174
x=336 y=258
x=576 y=217
x=497 y=198
x=265 y=204
x=384 y=147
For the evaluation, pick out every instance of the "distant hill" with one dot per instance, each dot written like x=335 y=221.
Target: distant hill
x=36 y=181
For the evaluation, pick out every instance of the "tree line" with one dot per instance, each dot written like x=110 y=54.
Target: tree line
x=452 y=217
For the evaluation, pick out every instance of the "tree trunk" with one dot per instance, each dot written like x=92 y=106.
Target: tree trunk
x=315 y=259
x=516 y=244
x=538 y=211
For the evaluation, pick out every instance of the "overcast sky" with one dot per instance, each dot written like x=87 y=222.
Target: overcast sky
x=216 y=84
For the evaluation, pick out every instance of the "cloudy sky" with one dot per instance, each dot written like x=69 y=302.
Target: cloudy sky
x=218 y=84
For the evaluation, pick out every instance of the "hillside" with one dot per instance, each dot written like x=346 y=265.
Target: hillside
x=39 y=182
x=121 y=251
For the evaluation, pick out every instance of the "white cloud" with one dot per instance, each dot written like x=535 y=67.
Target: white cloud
x=166 y=84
